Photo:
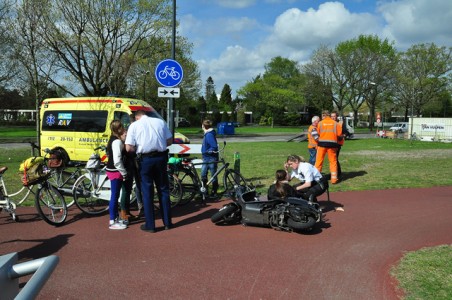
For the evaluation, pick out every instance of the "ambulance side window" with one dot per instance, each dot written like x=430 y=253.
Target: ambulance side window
x=123 y=117
x=78 y=120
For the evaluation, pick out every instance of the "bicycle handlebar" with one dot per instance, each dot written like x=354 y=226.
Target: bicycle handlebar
x=102 y=147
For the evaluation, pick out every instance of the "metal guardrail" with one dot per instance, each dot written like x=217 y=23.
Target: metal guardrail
x=11 y=272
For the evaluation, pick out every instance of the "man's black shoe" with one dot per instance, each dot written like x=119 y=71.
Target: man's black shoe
x=168 y=227
x=143 y=227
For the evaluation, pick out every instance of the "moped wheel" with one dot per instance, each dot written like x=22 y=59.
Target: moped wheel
x=50 y=205
x=226 y=214
x=301 y=225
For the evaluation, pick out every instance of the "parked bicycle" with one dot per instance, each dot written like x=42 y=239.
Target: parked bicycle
x=192 y=184
x=7 y=202
x=92 y=190
x=49 y=201
x=10 y=201
x=64 y=173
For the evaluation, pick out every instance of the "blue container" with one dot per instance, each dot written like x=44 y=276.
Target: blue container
x=226 y=128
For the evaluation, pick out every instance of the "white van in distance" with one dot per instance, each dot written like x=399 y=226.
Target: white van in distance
x=400 y=127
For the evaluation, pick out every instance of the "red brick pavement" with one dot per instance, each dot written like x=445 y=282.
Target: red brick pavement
x=348 y=257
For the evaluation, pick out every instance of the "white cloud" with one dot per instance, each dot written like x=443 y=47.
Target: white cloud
x=418 y=21
x=238 y=48
x=235 y=66
x=330 y=24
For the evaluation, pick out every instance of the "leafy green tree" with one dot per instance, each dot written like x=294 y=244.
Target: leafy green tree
x=278 y=90
x=356 y=72
x=367 y=64
x=423 y=77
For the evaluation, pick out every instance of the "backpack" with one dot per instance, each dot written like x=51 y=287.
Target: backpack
x=34 y=170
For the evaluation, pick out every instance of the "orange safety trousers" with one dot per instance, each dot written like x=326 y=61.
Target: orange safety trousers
x=332 y=158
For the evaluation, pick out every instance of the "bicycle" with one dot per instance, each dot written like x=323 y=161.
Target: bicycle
x=192 y=183
x=7 y=202
x=92 y=191
x=49 y=201
x=61 y=178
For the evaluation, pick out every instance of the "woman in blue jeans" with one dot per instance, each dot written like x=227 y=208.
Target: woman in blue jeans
x=209 y=150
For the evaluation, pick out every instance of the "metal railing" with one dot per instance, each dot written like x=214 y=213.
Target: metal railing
x=11 y=272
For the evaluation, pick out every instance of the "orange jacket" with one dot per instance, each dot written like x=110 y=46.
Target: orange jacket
x=329 y=131
x=312 y=137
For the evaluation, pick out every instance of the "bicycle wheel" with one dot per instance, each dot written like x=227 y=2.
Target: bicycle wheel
x=50 y=204
x=175 y=188
x=88 y=199
x=232 y=179
x=64 y=180
x=189 y=186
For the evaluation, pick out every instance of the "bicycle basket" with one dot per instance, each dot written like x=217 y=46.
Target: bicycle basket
x=57 y=158
x=35 y=171
x=93 y=162
x=54 y=161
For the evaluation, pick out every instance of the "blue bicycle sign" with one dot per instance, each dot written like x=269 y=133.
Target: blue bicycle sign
x=169 y=73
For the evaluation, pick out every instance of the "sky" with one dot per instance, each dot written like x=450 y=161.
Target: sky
x=234 y=39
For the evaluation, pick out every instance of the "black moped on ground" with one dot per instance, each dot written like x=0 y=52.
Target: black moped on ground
x=289 y=214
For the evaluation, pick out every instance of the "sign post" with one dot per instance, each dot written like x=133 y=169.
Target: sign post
x=169 y=73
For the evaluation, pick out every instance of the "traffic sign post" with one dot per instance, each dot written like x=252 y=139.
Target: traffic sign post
x=169 y=73
x=168 y=92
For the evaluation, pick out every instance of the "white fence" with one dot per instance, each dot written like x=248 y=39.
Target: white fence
x=17 y=114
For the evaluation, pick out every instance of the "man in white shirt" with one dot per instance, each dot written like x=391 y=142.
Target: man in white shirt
x=149 y=138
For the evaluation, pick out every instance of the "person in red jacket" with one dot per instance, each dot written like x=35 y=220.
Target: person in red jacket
x=329 y=133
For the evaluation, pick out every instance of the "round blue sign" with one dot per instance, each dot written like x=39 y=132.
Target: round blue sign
x=169 y=73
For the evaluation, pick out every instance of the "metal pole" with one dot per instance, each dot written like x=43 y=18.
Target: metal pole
x=171 y=105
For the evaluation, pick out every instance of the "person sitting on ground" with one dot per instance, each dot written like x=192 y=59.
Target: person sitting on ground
x=312 y=184
x=281 y=189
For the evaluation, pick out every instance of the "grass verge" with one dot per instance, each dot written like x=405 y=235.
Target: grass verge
x=426 y=273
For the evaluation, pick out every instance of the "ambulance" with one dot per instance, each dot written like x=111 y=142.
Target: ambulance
x=79 y=125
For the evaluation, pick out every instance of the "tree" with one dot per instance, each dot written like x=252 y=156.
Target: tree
x=277 y=91
x=356 y=72
x=322 y=88
x=225 y=102
x=97 y=42
x=422 y=77
x=7 y=66
x=368 y=64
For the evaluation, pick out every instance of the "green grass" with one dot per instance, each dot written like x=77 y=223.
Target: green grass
x=426 y=273
x=17 y=134
x=368 y=164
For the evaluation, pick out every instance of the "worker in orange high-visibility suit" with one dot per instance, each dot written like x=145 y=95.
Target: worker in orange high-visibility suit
x=340 y=141
x=329 y=133
x=313 y=137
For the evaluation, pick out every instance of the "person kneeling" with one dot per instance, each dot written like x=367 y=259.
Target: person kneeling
x=312 y=184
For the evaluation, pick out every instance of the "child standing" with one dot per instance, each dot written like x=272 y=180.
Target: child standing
x=116 y=171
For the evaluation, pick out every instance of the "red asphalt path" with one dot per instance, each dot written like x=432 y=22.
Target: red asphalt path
x=348 y=257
